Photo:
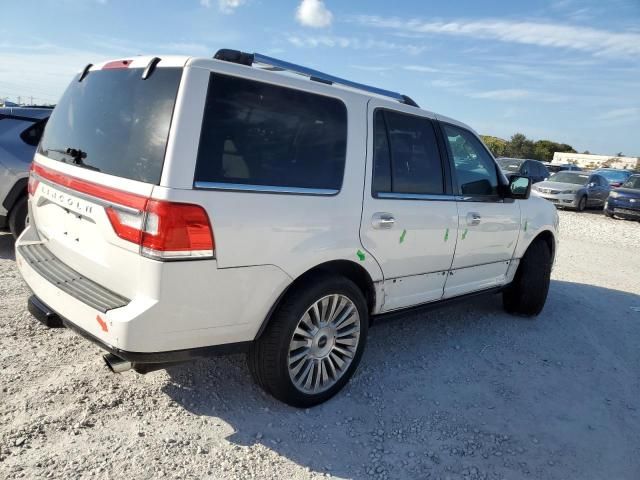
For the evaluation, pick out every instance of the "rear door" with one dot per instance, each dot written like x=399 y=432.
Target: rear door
x=488 y=224
x=409 y=218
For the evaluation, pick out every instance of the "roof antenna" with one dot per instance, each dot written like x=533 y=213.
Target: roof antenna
x=85 y=72
x=151 y=66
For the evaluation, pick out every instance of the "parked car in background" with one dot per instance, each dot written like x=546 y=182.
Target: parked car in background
x=577 y=190
x=302 y=206
x=555 y=168
x=533 y=169
x=624 y=202
x=614 y=176
x=20 y=132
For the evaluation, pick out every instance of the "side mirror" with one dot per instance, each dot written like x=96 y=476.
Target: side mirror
x=519 y=187
x=591 y=185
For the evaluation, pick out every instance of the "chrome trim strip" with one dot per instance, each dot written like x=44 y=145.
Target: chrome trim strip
x=84 y=196
x=240 y=187
x=415 y=196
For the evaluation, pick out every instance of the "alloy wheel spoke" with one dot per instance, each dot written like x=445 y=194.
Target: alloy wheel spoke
x=324 y=343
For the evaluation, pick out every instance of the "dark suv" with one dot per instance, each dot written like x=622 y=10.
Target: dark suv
x=523 y=167
x=20 y=132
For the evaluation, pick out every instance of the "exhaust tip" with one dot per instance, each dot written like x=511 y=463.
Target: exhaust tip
x=115 y=363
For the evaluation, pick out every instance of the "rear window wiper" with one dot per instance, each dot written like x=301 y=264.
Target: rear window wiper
x=78 y=157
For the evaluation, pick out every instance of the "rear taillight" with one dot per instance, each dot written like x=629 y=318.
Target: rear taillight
x=176 y=230
x=33 y=182
x=164 y=230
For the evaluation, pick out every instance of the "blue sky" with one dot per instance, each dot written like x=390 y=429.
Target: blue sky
x=565 y=70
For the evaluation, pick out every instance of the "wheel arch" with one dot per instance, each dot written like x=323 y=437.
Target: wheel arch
x=18 y=190
x=346 y=268
x=549 y=239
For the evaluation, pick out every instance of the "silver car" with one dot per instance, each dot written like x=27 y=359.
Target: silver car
x=577 y=190
x=20 y=132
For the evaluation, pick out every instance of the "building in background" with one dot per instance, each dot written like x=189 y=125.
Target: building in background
x=588 y=161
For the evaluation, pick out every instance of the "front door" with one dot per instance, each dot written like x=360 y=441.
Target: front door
x=409 y=218
x=488 y=224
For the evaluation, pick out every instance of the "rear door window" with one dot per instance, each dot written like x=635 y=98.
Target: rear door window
x=259 y=134
x=475 y=169
x=406 y=155
x=114 y=122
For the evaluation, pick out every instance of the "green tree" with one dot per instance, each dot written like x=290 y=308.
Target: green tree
x=520 y=146
x=498 y=146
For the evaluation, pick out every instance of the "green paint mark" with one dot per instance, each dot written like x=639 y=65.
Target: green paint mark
x=360 y=255
x=446 y=235
x=404 y=234
x=464 y=234
x=526 y=224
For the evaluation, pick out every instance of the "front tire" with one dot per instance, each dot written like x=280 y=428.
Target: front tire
x=582 y=204
x=527 y=294
x=313 y=343
x=18 y=217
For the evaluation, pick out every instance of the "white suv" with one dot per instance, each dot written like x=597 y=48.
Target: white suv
x=188 y=207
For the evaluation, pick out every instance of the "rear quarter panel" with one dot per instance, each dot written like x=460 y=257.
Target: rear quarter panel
x=294 y=232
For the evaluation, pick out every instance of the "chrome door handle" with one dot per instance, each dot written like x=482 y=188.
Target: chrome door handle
x=473 y=218
x=382 y=220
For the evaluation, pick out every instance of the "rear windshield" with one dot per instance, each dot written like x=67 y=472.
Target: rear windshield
x=510 y=164
x=613 y=176
x=254 y=133
x=633 y=182
x=566 y=177
x=114 y=122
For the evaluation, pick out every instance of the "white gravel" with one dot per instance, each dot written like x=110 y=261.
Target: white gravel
x=467 y=392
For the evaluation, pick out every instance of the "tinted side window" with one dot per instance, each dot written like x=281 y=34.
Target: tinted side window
x=381 y=155
x=259 y=134
x=475 y=169
x=409 y=145
x=31 y=136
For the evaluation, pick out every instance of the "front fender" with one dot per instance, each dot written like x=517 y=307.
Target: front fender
x=537 y=216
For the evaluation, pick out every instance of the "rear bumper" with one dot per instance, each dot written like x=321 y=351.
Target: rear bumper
x=44 y=314
x=189 y=307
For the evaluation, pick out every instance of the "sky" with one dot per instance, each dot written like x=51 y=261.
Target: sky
x=563 y=70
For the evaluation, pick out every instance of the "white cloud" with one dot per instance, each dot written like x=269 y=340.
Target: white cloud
x=355 y=43
x=505 y=94
x=313 y=13
x=225 y=6
x=587 y=39
x=620 y=113
x=421 y=69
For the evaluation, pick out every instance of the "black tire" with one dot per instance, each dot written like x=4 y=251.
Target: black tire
x=18 y=217
x=268 y=358
x=607 y=213
x=527 y=293
x=582 y=203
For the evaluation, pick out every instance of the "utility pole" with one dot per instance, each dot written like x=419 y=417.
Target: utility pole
x=18 y=99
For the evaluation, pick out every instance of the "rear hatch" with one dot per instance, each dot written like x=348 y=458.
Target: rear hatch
x=99 y=159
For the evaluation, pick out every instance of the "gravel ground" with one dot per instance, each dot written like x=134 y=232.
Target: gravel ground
x=467 y=392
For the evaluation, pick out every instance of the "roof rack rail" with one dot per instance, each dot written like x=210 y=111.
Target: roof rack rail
x=274 y=64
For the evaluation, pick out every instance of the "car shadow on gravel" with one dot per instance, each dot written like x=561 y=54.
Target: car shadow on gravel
x=6 y=246
x=451 y=390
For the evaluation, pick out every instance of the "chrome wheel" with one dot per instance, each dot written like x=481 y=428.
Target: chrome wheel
x=324 y=344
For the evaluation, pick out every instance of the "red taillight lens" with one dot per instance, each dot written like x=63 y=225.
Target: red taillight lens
x=176 y=230
x=33 y=182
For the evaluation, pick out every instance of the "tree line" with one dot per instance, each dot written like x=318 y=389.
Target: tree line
x=519 y=146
